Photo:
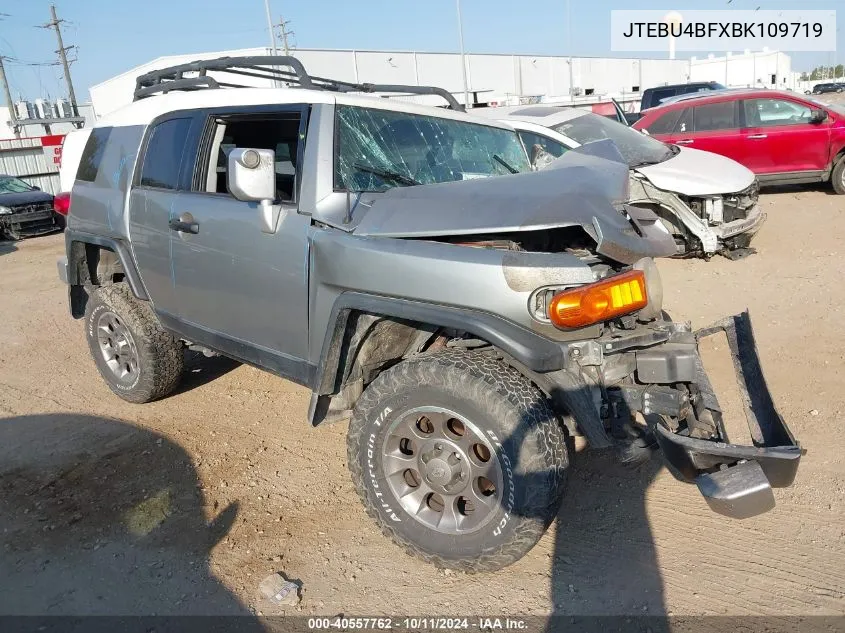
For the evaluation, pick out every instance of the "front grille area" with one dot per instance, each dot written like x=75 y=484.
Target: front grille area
x=737 y=205
x=25 y=211
x=29 y=219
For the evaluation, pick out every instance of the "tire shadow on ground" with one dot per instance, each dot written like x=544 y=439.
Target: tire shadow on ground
x=201 y=370
x=605 y=561
x=100 y=517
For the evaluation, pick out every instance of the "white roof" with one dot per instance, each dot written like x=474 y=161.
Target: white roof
x=545 y=115
x=143 y=111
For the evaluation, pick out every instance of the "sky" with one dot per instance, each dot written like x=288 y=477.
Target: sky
x=113 y=36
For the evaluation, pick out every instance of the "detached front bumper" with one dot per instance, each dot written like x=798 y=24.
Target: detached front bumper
x=736 y=480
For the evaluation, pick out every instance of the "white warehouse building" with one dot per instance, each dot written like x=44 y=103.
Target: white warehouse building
x=495 y=79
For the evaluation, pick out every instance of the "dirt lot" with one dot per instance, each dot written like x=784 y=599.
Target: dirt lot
x=184 y=505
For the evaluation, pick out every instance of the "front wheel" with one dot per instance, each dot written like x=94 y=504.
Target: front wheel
x=138 y=359
x=459 y=459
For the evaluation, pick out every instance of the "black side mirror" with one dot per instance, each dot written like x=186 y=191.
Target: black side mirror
x=818 y=116
x=35 y=188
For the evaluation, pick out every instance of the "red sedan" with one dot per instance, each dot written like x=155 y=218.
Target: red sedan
x=781 y=137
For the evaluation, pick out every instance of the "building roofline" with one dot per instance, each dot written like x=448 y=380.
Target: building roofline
x=134 y=71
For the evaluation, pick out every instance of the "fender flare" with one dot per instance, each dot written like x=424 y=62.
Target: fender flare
x=120 y=248
x=540 y=358
x=532 y=350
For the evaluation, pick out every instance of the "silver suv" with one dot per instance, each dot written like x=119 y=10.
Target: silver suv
x=469 y=315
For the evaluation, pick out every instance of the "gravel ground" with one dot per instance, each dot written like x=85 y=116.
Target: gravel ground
x=184 y=505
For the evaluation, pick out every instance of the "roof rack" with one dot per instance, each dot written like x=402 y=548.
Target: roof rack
x=283 y=68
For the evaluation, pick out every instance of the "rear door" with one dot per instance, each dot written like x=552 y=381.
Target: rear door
x=161 y=177
x=712 y=127
x=779 y=137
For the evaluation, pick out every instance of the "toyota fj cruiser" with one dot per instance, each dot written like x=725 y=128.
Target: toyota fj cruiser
x=403 y=261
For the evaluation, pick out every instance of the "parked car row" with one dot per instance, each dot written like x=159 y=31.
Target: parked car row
x=466 y=310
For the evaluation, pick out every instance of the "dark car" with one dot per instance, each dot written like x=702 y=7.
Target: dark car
x=653 y=97
x=25 y=210
x=819 y=89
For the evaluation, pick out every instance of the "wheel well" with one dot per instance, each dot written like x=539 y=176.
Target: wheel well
x=365 y=344
x=90 y=265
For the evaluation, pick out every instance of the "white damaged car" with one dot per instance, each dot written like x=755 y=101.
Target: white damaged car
x=707 y=201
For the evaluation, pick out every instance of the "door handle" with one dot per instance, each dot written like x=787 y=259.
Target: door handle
x=184 y=224
x=757 y=135
x=685 y=141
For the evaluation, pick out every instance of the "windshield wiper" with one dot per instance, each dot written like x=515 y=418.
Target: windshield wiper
x=504 y=164
x=386 y=174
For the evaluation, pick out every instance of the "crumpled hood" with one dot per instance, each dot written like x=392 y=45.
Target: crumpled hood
x=693 y=172
x=582 y=188
x=25 y=197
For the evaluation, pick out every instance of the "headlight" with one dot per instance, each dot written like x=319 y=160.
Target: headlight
x=603 y=300
x=5 y=210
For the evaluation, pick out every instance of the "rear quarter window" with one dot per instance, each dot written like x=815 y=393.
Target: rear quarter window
x=109 y=156
x=92 y=155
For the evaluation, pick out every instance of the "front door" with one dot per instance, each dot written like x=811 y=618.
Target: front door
x=779 y=137
x=239 y=289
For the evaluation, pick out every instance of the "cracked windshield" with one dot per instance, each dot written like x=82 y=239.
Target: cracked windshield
x=379 y=149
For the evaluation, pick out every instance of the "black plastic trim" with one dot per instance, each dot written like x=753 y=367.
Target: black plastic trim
x=118 y=246
x=294 y=369
x=532 y=350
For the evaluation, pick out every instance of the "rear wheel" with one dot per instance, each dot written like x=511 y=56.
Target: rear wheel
x=459 y=459
x=837 y=177
x=137 y=358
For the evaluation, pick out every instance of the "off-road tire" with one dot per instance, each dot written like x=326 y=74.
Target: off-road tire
x=159 y=354
x=505 y=406
x=837 y=177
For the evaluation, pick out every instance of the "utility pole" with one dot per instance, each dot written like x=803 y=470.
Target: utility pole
x=283 y=33
x=270 y=26
x=12 y=114
x=463 y=59
x=55 y=24
x=569 y=46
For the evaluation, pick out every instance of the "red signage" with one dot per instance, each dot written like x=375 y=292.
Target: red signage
x=53 y=149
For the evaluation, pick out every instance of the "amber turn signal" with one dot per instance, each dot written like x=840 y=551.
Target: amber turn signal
x=611 y=297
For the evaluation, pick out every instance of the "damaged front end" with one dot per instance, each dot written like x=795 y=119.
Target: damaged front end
x=670 y=387
x=27 y=220
x=645 y=379
x=560 y=254
x=704 y=225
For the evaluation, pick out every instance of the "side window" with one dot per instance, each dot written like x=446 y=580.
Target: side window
x=768 y=112
x=163 y=157
x=665 y=124
x=530 y=139
x=277 y=132
x=716 y=116
x=684 y=124
x=92 y=155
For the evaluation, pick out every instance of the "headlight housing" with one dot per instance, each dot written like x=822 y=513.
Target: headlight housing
x=603 y=300
x=5 y=210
